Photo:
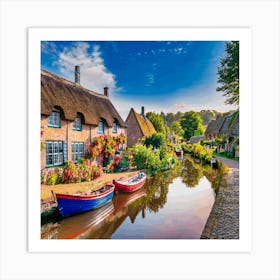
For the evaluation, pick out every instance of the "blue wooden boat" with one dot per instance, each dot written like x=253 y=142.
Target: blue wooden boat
x=71 y=204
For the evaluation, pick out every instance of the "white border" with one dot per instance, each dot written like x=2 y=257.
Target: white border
x=35 y=244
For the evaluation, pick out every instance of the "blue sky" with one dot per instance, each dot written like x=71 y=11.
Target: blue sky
x=166 y=76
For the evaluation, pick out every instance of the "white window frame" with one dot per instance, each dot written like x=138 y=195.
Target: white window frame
x=103 y=127
x=54 y=119
x=115 y=128
x=56 y=153
x=77 y=124
x=78 y=151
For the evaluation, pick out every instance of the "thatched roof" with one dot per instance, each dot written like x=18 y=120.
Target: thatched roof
x=144 y=123
x=73 y=98
x=215 y=125
x=231 y=125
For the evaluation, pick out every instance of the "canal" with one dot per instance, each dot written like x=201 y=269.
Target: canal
x=174 y=205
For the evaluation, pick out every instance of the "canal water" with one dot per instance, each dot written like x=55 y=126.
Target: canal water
x=174 y=205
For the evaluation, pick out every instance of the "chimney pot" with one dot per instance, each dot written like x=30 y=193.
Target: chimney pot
x=143 y=111
x=77 y=74
x=106 y=91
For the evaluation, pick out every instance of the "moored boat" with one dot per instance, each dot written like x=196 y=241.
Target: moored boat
x=179 y=151
x=131 y=184
x=71 y=204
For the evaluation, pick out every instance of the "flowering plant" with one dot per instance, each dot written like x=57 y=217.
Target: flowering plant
x=84 y=170
x=104 y=147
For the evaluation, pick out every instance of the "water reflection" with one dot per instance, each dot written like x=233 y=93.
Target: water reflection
x=78 y=226
x=175 y=204
x=191 y=173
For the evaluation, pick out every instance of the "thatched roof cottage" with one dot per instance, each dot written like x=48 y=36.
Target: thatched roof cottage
x=230 y=127
x=138 y=126
x=213 y=128
x=71 y=116
x=225 y=126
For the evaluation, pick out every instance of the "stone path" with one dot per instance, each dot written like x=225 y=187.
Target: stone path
x=230 y=162
x=223 y=221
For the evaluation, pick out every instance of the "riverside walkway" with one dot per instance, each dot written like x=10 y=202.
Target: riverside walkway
x=223 y=221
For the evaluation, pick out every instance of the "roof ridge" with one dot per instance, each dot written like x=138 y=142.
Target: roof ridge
x=65 y=81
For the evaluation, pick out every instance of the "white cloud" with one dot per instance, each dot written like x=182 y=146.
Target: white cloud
x=182 y=107
x=48 y=47
x=150 y=79
x=94 y=74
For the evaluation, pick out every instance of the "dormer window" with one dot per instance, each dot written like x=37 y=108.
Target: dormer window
x=100 y=128
x=54 y=119
x=77 y=124
x=115 y=127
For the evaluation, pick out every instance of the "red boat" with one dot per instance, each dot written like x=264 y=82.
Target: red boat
x=131 y=184
x=179 y=152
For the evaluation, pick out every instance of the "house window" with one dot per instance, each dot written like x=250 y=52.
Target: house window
x=77 y=124
x=100 y=128
x=77 y=151
x=115 y=127
x=54 y=153
x=54 y=119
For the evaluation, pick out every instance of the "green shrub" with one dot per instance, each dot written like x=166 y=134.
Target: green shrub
x=200 y=152
x=151 y=161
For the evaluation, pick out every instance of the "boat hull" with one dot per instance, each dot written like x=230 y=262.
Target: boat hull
x=123 y=187
x=179 y=152
x=69 y=205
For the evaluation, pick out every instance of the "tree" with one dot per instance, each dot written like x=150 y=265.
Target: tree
x=228 y=73
x=156 y=140
x=157 y=122
x=191 y=123
x=208 y=115
x=176 y=128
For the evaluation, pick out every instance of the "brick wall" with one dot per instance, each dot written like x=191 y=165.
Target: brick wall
x=133 y=130
x=66 y=134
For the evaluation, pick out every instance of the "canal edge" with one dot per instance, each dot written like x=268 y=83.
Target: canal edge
x=223 y=221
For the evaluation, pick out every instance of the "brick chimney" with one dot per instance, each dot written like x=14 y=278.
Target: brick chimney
x=77 y=74
x=143 y=111
x=106 y=91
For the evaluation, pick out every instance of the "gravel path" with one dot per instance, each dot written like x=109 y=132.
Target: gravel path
x=223 y=221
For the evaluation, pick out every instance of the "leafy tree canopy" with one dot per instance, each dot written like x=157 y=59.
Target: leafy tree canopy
x=156 y=140
x=208 y=115
x=228 y=73
x=157 y=122
x=191 y=123
x=176 y=128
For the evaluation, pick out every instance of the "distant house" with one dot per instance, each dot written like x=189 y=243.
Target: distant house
x=230 y=127
x=224 y=126
x=138 y=126
x=213 y=129
x=71 y=116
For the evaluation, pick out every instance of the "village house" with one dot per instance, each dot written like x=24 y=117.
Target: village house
x=138 y=126
x=213 y=129
x=227 y=127
x=230 y=127
x=71 y=116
